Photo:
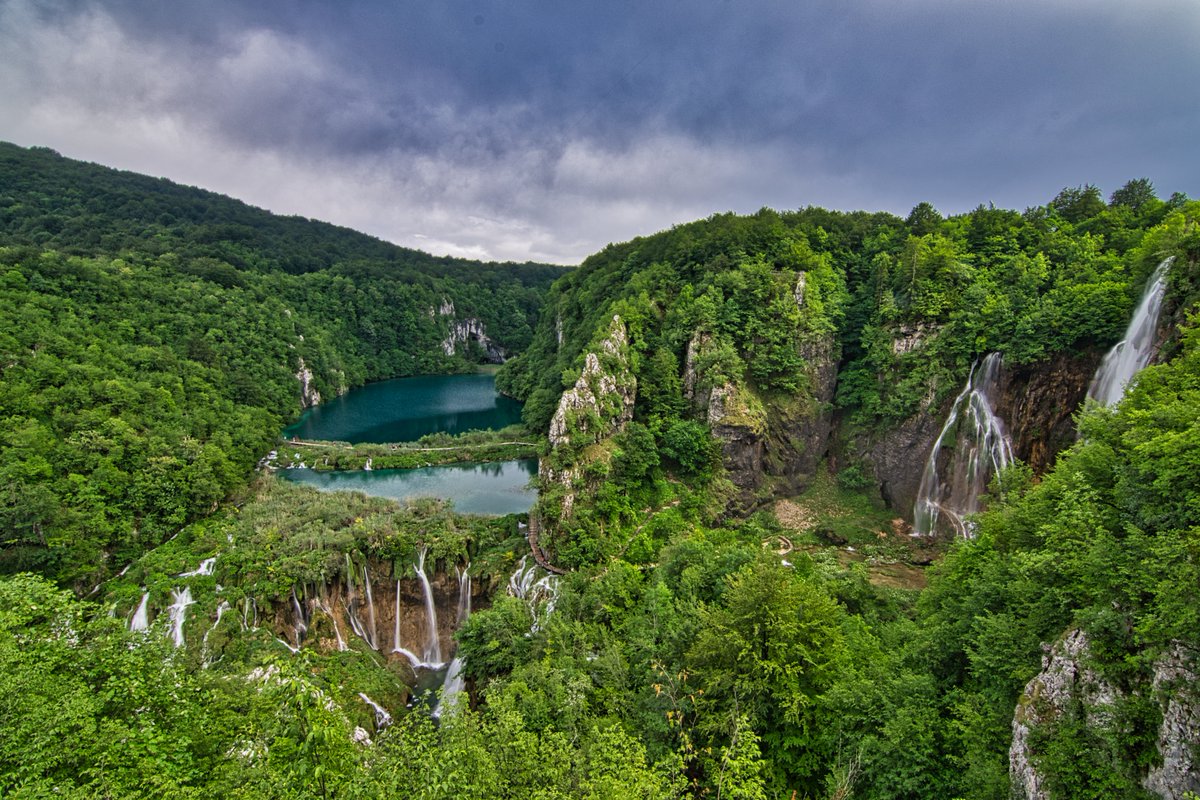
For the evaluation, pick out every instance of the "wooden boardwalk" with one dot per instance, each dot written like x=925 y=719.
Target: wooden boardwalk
x=536 y=548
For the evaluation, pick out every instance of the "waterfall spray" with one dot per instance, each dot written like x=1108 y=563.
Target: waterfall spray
x=433 y=648
x=1130 y=355
x=180 y=600
x=981 y=448
x=141 y=617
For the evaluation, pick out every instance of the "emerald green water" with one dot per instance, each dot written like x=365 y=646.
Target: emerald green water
x=496 y=487
x=405 y=409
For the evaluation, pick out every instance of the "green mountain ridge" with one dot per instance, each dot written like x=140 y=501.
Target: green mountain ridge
x=737 y=415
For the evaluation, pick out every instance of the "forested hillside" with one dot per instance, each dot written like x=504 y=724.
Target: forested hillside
x=151 y=339
x=738 y=416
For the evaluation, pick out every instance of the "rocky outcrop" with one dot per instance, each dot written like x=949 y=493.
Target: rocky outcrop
x=911 y=337
x=309 y=396
x=1068 y=684
x=1174 y=686
x=1038 y=403
x=472 y=330
x=591 y=412
x=601 y=401
x=1066 y=679
x=781 y=439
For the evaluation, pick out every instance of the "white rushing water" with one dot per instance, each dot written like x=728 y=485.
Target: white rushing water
x=374 y=630
x=205 y=568
x=433 y=648
x=1130 y=355
x=382 y=717
x=981 y=447
x=222 y=607
x=141 y=615
x=351 y=605
x=300 y=627
x=452 y=686
x=539 y=594
x=177 y=613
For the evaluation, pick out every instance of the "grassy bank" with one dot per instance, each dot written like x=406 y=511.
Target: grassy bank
x=507 y=444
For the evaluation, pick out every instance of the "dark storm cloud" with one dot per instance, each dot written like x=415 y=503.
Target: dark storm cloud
x=544 y=130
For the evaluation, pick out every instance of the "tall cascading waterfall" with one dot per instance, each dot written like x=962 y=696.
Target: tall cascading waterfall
x=452 y=686
x=374 y=631
x=433 y=648
x=1130 y=355
x=141 y=616
x=222 y=607
x=301 y=626
x=352 y=606
x=981 y=448
x=177 y=613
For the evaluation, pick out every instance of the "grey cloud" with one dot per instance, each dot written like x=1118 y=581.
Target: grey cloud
x=530 y=129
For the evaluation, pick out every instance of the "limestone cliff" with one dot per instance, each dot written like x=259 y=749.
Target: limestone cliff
x=309 y=396
x=777 y=440
x=1069 y=684
x=465 y=331
x=597 y=407
x=1038 y=403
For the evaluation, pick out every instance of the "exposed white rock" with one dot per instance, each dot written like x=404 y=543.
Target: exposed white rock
x=1175 y=688
x=468 y=330
x=1067 y=679
x=309 y=396
x=801 y=285
x=598 y=406
x=910 y=337
x=596 y=392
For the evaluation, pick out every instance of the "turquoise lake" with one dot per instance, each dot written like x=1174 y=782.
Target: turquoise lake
x=497 y=487
x=405 y=409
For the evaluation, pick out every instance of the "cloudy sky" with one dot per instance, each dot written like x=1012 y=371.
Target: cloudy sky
x=544 y=129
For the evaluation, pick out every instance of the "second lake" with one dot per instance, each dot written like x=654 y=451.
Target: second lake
x=405 y=409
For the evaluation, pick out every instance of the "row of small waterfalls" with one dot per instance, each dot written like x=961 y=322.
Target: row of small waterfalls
x=974 y=444
x=351 y=605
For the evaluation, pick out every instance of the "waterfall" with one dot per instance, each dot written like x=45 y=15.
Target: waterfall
x=221 y=609
x=452 y=686
x=433 y=648
x=981 y=447
x=539 y=594
x=177 y=613
x=337 y=632
x=371 y=608
x=382 y=717
x=1132 y=353
x=141 y=617
x=205 y=568
x=352 y=607
x=301 y=627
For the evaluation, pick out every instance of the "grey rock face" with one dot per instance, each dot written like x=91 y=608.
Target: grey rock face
x=1067 y=679
x=309 y=396
x=468 y=330
x=1175 y=687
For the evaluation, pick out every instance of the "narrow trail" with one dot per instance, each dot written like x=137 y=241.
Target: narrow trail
x=536 y=548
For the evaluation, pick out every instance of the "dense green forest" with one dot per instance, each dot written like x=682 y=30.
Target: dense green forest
x=726 y=627
x=150 y=337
